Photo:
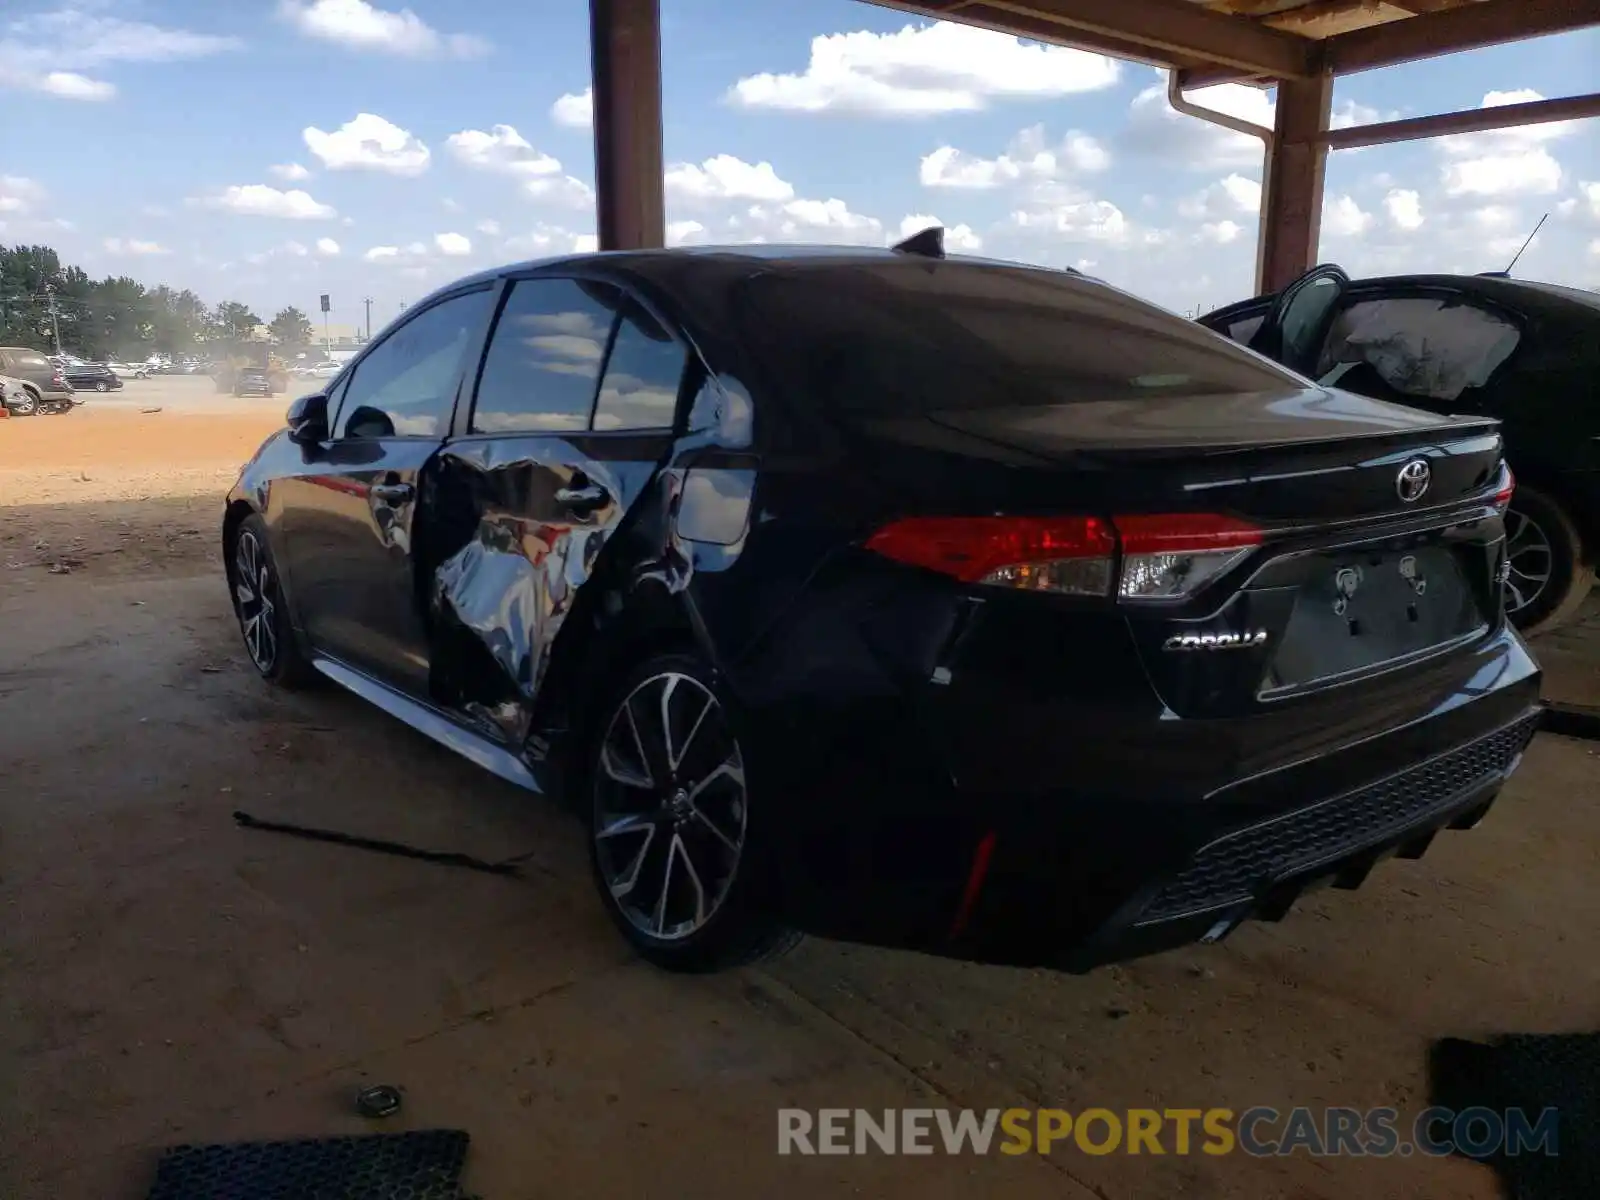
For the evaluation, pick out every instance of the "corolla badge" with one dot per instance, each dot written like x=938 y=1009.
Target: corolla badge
x=1248 y=640
x=1413 y=480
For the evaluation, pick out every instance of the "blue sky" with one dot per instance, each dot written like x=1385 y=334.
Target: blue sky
x=271 y=150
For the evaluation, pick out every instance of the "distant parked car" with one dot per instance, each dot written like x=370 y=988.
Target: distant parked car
x=252 y=381
x=1524 y=353
x=95 y=377
x=130 y=370
x=44 y=381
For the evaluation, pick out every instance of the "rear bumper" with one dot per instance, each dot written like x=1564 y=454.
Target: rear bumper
x=885 y=844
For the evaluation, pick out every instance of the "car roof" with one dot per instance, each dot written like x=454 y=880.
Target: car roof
x=729 y=261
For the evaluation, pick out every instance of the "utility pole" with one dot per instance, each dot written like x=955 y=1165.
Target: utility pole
x=327 y=342
x=367 y=300
x=55 y=326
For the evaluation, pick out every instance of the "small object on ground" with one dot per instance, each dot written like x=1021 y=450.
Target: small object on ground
x=211 y=670
x=423 y=1165
x=156 y=409
x=380 y=1100
x=60 y=568
x=447 y=858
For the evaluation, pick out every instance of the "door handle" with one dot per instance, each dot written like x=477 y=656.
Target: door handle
x=393 y=493
x=583 y=499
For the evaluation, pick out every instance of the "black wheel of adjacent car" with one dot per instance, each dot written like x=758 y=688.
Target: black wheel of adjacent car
x=670 y=822
x=102 y=386
x=1548 y=572
x=263 y=616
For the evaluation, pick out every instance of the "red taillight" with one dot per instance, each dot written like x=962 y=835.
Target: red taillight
x=971 y=548
x=1164 y=557
x=1508 y=487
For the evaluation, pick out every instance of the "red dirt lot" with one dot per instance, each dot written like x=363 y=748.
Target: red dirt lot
x=167 y=977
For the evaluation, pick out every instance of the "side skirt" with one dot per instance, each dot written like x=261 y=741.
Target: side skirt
x=431 y=722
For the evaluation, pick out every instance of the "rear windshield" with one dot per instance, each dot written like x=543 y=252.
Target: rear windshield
x=914 y=336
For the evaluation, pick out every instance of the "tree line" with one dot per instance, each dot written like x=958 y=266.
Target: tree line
x=117 y=318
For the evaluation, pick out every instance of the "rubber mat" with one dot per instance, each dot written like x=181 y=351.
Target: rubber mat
x=1532 y=1072
x=399 y=1166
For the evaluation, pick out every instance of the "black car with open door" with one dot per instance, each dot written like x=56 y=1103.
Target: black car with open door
x=1526 y=354
x=929 y=602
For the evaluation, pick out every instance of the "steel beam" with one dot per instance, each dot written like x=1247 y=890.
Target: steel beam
x=1175 y=33
x=1292 y=185
x=1467 y=28
x=1472 y=120
x=625 y=50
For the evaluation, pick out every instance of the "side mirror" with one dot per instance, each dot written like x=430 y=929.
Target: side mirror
x=308 y=419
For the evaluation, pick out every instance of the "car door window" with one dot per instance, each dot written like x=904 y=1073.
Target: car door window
x=544 y=358
x=405 y=386
x=643 y=373
x=1245 y=328
x=1433 y=347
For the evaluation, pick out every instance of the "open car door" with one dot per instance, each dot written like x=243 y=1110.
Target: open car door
x=1298 y=322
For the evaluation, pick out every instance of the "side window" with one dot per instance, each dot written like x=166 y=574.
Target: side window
x=405 y=386
x=1245 y=328
x=544 y=357
x=1432 y=347
x=640 y=389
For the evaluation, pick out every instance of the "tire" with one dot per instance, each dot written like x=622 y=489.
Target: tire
x=28 y=405
x=102 y=386
x=676 y=831
x=1542 y=540
x=269 y=640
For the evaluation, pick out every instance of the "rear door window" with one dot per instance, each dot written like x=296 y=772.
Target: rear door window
x=643 y=374
x=542 y=369
x=1428 y=347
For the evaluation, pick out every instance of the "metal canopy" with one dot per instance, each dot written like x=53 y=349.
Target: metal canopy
x=1297 y=46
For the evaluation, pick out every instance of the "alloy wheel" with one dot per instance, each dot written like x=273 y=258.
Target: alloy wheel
x=255 y=591
x=26 y=406
x=1529 y=561
x=102 y=386
x=670 y=806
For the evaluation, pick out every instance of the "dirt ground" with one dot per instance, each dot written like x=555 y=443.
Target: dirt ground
x=168 y=977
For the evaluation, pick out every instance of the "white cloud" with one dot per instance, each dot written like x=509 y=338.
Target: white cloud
x=502 y=149
x=1233 y=196
x=1155 y=128
x=574 y=110
x=923 y=69
x=1591 y=192
x=362 y=26
x=1343 y=217
x=805 y=221
x=726 y=178
x=1404 y=207
x=1501 y=141
x=452 y=245
x=681 y=233
x=133 y=246
x=565 y=192
x=327 y=247
x=379 y=253
x=293 y=172
x=368 y=142
x=544 y=241
x=411 y=255
x=1083 y=220
x=49 y=51
x=19 y=194
x=956 y=237
x=260 y=200
x=1594 y=248
x=1221 y=232
x=488 y=227
x=69 y=85
x=1028 y=157
x=1525 y=172
x=451 y=205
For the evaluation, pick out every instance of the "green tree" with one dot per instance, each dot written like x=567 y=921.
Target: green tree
x=234 y=322
x=291 y=328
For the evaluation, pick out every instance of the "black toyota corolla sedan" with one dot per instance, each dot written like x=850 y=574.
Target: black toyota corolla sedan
x=920 y=601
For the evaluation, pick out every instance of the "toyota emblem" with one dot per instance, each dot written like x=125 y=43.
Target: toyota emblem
x=1413 y=480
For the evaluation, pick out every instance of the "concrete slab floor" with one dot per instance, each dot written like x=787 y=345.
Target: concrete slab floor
x=166 y=977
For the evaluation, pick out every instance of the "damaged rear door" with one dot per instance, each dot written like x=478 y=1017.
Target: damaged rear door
x=572 y=416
